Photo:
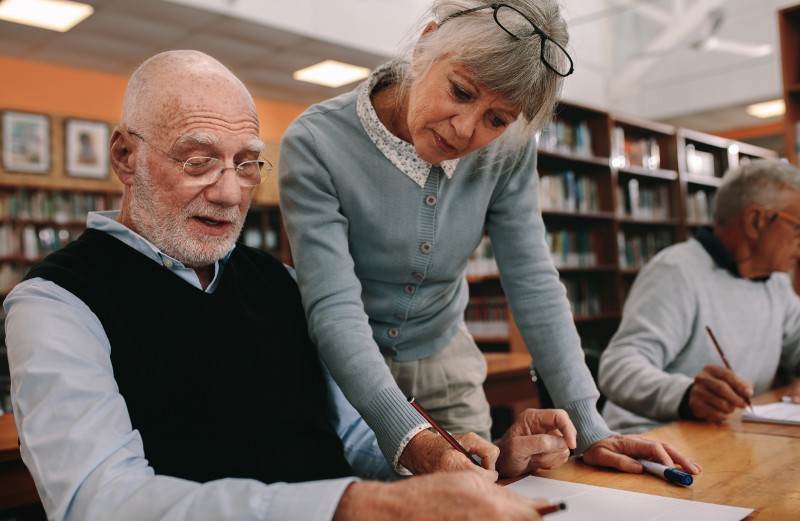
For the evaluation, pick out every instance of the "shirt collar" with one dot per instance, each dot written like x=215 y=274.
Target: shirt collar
x=403 y=155
x=705 y=236
x=107 y=222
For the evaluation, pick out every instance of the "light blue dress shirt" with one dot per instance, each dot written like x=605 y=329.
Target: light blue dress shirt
x=86 y=459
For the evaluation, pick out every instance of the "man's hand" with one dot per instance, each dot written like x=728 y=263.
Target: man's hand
x=717 y=392
x=794 y=391
x=456 y=496
x=621 y=451
x=429 y=452
x=539 y=438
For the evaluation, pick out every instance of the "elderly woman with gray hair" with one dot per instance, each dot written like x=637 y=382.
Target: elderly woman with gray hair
x=388 y=189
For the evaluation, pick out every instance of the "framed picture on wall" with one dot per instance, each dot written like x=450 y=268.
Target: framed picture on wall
x=26 y=142
x=86 y=148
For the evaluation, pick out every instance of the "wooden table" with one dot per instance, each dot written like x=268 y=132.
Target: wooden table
x=508 y=381
x=16 y=485
x=744 y=464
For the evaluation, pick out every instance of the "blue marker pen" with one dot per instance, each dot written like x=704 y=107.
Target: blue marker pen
x=670 y=474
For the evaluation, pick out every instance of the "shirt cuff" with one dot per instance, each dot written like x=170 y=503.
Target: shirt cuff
x=396 y=459
x=684 y=410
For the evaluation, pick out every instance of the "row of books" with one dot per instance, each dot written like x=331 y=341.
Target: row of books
x=566 y=192
x=56 y=206
x=567 y=138
x=487 y=317
x=584 y=296
x=639 y=202
x=631 y=151
x=700 y=162
x=699 y=206
x=482 y=262
x=33 y=242
x=255 y=237
x=572 y=248
x=636 y=250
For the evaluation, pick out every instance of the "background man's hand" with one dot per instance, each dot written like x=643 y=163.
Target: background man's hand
x=717 y=392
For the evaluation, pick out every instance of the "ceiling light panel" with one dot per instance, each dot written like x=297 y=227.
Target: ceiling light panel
x=55 y=15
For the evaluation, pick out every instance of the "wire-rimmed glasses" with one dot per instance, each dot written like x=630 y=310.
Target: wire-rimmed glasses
x=204 y=171
x=519 y=26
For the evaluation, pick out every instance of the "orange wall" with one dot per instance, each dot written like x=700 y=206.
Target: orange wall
x=81 y=93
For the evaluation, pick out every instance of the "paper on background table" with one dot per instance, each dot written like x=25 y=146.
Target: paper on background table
x=608 y=504
x=777 y=412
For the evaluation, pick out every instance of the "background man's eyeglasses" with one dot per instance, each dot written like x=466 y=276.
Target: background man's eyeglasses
x=203 y=171
x=519 y=26
x=789 y=218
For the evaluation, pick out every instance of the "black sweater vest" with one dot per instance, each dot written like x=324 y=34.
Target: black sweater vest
x=219 y=385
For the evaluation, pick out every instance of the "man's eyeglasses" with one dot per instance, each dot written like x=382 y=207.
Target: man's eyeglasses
x=789 y=218
x=204 y=171
x=520 y=26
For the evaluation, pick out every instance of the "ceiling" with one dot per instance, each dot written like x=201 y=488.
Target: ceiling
x=123 y=33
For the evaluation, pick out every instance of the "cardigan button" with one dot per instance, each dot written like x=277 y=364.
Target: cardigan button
x=426 y=247
x=394 y=332
x=410 y=289
x=431 y=200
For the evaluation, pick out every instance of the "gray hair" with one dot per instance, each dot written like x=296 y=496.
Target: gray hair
x=499 y=62
x=763 y=182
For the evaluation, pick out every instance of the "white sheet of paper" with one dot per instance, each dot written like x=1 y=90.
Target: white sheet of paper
x=607 y=504
x=786 y=413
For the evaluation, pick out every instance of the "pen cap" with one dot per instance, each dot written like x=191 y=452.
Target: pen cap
x=676 y=476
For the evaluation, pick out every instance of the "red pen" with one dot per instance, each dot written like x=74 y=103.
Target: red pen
x=549 y=509
x=450 y=439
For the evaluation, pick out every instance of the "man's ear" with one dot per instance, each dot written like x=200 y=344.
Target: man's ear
x=122 y=157
x=753 y=221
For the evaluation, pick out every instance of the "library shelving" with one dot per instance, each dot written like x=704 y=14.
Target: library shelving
x=789 y=34
x=35 y=222
x=789 y=31
x=613 y=190
x=702 y=160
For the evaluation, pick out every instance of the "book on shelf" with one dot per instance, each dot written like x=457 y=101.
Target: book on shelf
x=699 y=206
x=566 y=192
x=635 y=250
x=583 y=295
x=481 y=262
x=699 y=162
x=619 y=156
x=646 y=203
x=572 y=248
x=567 y=137
x=487 y=317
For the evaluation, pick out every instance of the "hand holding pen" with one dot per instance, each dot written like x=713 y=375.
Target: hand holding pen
x=718 y=391
x=447 y=436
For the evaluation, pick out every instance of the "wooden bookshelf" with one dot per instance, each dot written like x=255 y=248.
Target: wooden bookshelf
x=614 y=191
x=789 y=35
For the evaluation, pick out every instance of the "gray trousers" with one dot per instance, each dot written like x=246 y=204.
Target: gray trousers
x=449 y=385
